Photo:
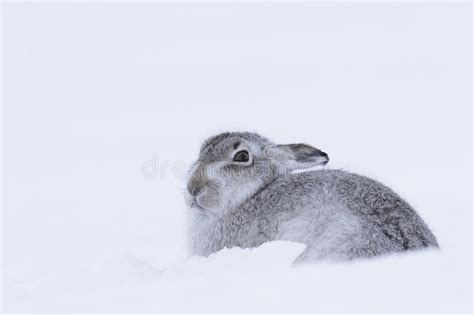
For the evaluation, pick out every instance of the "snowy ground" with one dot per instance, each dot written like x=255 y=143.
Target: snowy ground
x=237 y=280
x=104 y=105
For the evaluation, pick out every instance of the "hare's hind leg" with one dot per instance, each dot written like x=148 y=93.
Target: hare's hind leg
x=308 y=255
x=347 y=249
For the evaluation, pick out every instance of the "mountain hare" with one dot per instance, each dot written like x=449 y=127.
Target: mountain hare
x=242 y=192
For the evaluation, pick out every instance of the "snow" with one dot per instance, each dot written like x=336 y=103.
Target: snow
x=219 y=282
x=242 y=280
x=102 y=118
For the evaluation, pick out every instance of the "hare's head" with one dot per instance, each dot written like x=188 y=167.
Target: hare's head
x=233 y=166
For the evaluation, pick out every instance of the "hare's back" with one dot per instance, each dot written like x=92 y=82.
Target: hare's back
x=375 y=206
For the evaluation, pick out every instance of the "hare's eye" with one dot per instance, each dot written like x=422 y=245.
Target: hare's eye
x=241 y=156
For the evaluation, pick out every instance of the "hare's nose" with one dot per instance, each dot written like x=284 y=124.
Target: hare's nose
x=194 y=190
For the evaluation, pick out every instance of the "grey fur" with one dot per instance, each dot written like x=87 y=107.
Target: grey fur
x=338 y=215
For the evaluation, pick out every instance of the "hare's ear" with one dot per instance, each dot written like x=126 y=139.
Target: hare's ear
x=298 y=156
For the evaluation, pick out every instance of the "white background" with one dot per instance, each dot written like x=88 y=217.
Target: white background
x=93 y=92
